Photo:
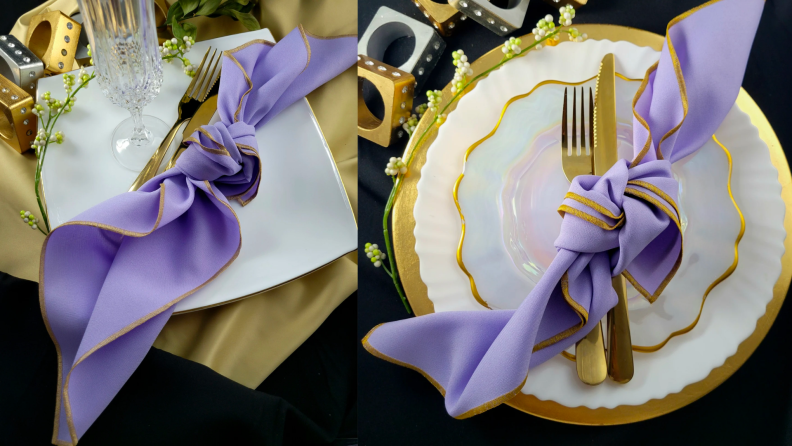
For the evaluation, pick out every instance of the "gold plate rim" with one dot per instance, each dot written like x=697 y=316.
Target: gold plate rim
x=417 y=293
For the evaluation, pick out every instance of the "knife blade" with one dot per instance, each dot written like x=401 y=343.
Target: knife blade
x=619 y=354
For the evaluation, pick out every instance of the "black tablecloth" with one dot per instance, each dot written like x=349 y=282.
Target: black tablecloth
x=309 y=399
x=399 y=406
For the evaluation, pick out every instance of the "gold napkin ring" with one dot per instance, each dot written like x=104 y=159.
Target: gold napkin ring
x=444 y=17
x=18 y=124
x=53 y=37
x=396 y=88
x=499 y=20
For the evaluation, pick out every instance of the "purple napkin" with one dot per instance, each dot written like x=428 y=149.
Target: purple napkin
x=625 y=222
x=110 y=277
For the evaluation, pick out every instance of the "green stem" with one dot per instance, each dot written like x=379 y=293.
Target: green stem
x=48 y=127
x=397 y=183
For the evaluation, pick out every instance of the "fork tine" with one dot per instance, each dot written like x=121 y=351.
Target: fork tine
x=574 y=122
x=564 y=143
x=192 y=83
x=583 y=150
x=591 y=120
x=202 y=75
x=208 y=84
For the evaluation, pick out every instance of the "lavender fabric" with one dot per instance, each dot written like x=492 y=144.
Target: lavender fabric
x=624 y=222
x=110 y=277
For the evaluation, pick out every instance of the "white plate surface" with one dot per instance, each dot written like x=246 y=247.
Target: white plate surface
x=300 y=220
x=732 y=308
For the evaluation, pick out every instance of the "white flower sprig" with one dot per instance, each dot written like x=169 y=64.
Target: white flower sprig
x=434 y=97
x=48 y=110
x=512 y=47
x=395 y=166
x=576 y=36
x=546 y=32
x=29 y=218
x=421 y=109
x=567 y=13
x=375 y=255
x=411 y=124
x=462 y=71
x=176 y=49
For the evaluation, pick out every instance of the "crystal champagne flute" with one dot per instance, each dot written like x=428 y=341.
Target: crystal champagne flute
x=128 y=66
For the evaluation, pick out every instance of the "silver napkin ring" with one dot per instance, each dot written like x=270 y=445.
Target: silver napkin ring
x=19 y=65
x=498 y=20
x=389 y=25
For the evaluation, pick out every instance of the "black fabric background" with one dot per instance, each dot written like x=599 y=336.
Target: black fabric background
x=399 y=406
x=310 y=399
x=170 y=401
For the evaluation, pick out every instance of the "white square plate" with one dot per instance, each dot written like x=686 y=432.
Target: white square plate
x=300 y=221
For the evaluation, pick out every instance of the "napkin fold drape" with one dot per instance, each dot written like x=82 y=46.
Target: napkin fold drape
x=625 y=222
x=109 y=278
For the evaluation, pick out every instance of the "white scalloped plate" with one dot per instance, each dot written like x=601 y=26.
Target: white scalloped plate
x=732 y=308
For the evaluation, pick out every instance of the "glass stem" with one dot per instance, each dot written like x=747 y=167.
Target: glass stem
x=140 y=135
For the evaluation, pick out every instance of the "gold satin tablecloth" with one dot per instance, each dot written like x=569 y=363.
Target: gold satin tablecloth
x=248 y=339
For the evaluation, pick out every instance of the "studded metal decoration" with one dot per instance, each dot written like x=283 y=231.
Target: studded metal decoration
x=53 y=37
x=389 y=25
x=18 y=124
x=501 y=21
x=397 y=88
x=19 y=65
x=444 y=17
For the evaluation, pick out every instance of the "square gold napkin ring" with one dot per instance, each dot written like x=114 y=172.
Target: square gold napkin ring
x=574 y=3
x=19 y=65
x=18 y=124
x=444 y=17
x=389 y=25
x=53 y=37
x=498 y=20
x=397 y=88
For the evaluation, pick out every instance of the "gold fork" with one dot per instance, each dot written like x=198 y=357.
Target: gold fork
x=589 y=351
x=205 y=77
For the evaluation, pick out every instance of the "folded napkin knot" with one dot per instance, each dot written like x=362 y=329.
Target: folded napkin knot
x=631 y=215
x=226 y=155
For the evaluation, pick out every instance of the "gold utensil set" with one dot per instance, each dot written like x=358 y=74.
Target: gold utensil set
x=592 y=361
x=202 y=88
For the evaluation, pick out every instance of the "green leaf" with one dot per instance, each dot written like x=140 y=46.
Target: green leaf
x=174 y=11
x=178 y=31
x=208 y=8
x=247 y=19
x=242 y=2
x=188 y=5
x=190 y=29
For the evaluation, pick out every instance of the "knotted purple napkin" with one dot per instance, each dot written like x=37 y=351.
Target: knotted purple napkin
x=110 y=277
x=625 y=222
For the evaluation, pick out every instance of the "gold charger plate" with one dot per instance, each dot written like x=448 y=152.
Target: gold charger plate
x=408 y=262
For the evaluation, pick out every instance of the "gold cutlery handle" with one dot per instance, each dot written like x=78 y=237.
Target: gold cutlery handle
x=620 y=355
x=150 y=170
x=590 y=357
x=175 y=156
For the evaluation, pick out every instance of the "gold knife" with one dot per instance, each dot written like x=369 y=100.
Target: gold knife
x=620 y=358
x=202 y=117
